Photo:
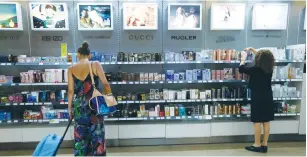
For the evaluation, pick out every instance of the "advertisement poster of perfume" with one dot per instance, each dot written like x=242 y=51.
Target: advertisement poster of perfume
x=49 y=16
x=10 y=16
x=270 y=16
x=140 y=16
x=227 y=16
x=184 y=16
x=95 y=16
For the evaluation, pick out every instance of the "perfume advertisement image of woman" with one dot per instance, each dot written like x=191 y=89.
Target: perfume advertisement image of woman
x=52 y=16
x=140 y=16
x=94 y=16
x=184 y=16
x=227 y=16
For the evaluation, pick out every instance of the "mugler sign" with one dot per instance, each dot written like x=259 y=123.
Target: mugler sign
x=183 y=37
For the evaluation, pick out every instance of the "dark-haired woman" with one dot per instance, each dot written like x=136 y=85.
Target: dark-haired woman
x=89 y=130
x=262 y=108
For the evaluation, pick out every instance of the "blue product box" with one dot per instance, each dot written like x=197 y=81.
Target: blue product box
x=198 y=74
x=206 y=74
x=102 y=58
x=189 y=75
x=8 y=116
x=2 y=115
x=194 y=74
x=169 y=75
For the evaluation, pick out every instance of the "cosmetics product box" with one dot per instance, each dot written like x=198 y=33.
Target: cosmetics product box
x=285 y=92
x=156 y=77
x=213 y=74
x=194 y=93
x=167 y=111
x=218 y=74
x=199 y=74
x=206 y=74
x=189 y=75
x=171 y=95
x=172 y=111
x=165 y=94
x=181 y=76
x=206 y=109
x=179 y=95
x=142 y=76
x=145 y=76
x=169 y=75
x=228 y=75
x=176 y=77
x=202 y=95
x=208 y=94
x=150 y=77
x=184 y=94
x=163 y=77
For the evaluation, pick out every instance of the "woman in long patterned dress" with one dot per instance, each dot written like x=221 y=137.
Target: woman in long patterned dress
x=89 y=130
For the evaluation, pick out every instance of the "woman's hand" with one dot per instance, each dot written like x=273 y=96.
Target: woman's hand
x=243 y=55
x=71 y=114
x=250 y=49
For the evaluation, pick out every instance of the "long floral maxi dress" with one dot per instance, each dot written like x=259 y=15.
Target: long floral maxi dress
x=89 y=130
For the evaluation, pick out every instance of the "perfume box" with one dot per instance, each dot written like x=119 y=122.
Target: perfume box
x=172 y=111
x=142 y=77
x=228 y=75
x=206 y=109
x=202 y=95
x=150 y=77
x=208 y=94
x=218 y=74
x=179 y=95
x=176 y=77
x=206 y=74
x=165 y=94
x=145 y=76
x=169 y=75
x=184 y=94
x=213 y=74
x=189 y=75
x=182 y=76
x=167 y=111
x=171 y=95
x=163 y=77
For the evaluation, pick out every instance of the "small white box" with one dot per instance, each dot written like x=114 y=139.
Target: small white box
x=172 y=111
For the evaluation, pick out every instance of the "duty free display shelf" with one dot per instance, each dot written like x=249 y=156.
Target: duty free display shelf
x=147 y=101
x=201 y=118
x=161 y=62
x=151 y=82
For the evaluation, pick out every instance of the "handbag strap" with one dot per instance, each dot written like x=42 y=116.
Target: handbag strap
x=91 y=74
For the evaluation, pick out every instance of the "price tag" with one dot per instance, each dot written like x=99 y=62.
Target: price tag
x=56 y=63
x=208 y=117
x=112 y=62
x=184 y=100
x=46 y=120
x=15 y=104
x=169 y=82
x=232 y=99
x=189 y=81
x=151 y=118
x=183 y=117
x=146 y=82
x=140 y=118
x=54 y=121
x=124 y=82
x=153 y=82
x=200 y=81
x=189 y=117
x=119 y=63
x=210 y=81
x=131 y=83
x=238 y=115
x=221 y=81
x=25 y=121
x=22 y=104
x=136 y=82
x=122 y=118
x=162 y=118
x=180 y=81
x=61 y=120
x=200 y=117
x=130 y=101
x=168 y=117
x=287 y=98
x=13 y=84
x=227 y=116
x=40 y=121
x=7 y=104
x=198 y=100
x=177 y=117
x=8 y=63
x=175 y=81
x=2 y=63
x=214 y=99
x=161 y=82
x=221 y=116
x=125 y=62
x=9 y=121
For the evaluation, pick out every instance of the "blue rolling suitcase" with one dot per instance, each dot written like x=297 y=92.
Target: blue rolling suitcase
x=50 y=144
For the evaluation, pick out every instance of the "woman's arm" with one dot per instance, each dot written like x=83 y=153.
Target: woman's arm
x=70 y=91
x=243 y=68
x=102 y=77
x=251 y=49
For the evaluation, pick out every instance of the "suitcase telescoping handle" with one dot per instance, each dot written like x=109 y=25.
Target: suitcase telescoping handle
x=62 y=138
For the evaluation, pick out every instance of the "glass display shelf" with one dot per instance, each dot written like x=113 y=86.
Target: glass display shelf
x=151 y=63
x=150 y=82
x=195 y=117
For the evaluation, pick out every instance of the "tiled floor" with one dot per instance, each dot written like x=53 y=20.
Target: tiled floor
x=229 y=149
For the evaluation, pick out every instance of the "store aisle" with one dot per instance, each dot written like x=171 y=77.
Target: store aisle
x=229 y=149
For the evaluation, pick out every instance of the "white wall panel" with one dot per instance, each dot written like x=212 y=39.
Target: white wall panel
x=187 y=130
x=111 y=131
x=142 y=131
x=10 y=135
x=231 y=128
x=284 y=127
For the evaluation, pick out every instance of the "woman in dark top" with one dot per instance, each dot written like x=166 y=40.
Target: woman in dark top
x=262 y=108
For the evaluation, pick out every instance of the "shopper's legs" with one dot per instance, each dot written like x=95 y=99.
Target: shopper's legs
x=266 y=130
x=257 y=134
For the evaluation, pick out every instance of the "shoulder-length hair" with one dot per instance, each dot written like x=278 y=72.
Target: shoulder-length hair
x=264 y=59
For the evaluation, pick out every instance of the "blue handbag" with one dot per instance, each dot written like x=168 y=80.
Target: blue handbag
x=99 y=103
